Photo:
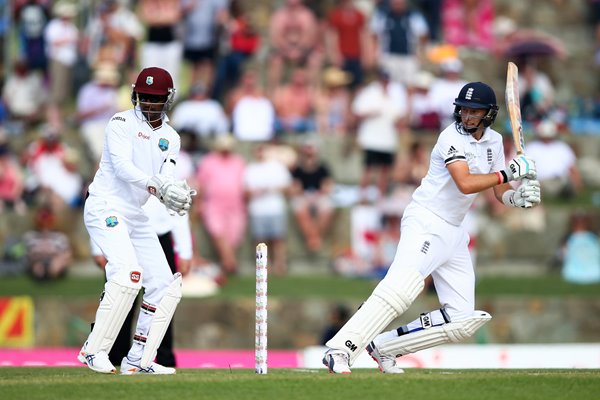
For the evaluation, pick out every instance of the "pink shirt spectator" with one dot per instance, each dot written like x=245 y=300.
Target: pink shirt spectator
x=220 y=177
x=469 y=23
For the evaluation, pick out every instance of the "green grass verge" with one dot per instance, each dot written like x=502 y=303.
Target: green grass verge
x=326 y=287
x=289 y=384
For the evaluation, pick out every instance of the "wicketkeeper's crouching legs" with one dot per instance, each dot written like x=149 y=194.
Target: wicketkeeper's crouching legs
x=119 y=294
x=387 y=302
x=153 y=322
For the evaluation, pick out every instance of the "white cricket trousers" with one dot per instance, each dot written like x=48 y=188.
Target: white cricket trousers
x=434 y=247
x=132 y=241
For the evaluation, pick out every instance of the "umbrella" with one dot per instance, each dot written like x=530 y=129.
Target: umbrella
x=535 y=46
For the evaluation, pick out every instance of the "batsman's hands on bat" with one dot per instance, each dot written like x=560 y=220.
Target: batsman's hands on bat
x=527 y=195
x=172 y=194
x=519 y=168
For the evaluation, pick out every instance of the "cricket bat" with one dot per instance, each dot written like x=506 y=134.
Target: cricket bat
x=513 y=105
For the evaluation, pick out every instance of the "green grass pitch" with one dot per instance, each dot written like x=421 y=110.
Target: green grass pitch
x=241 y=384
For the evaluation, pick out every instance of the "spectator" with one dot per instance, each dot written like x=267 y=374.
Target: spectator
x=423 y=114
x=556 y=162
x=11 y=181
x=111 y=36
x=294 y=39
x=400 y=35
x=200 y=114
x=24 y=95
x=294 y=104
x=32 y=18
x=52 y=171
x=220 y=180
x=443 y=89
x=267 y=181
x=244 y=41
x=536 y=92
x=161 y=48
x=581 y=252
x=469 y=23
x=311 y=196
x=347 y=39
x=203 y=23
x=380 y=109
x=48 y=252
x=96 y=104
x=61 y=39
x=252 y=113
x=332 y=103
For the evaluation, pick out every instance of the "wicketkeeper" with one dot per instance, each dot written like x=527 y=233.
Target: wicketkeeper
x=139 y=155
x=468 y=158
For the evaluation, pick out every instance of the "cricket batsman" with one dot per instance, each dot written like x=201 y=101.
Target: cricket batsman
x=468 y=158
x=139 y=155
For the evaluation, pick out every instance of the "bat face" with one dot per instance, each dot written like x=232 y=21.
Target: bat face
x=514 y=107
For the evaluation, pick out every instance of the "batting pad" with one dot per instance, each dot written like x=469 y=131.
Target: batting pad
x=161 y=320
x=434 y=336
x=386 y=303
x=119 y=295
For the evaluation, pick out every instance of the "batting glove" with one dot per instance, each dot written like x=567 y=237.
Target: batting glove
x=527 y=195
x=519 y=168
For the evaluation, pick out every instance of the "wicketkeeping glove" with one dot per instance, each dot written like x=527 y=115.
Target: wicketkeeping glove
x=183 y=185
x=527 y=195
x=519 y=168
x=169 y=192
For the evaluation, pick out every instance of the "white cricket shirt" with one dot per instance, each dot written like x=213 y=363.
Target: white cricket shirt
x=133 y=152
x=438 y=192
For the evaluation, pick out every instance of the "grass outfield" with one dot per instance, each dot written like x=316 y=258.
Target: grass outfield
x=290 y=384
x=327 y=287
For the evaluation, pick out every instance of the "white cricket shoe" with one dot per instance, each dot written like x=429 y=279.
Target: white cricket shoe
x=337 y=361
x=387 y=364
x=133 y=368
x=98 y=362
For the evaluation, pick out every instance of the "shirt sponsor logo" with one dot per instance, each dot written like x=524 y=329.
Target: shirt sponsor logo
x=489 y=155
x=163 y=144
x=135 y=276
x=143 y=136
x=425 y=247
x=118 y=119
x=452 y=151
x=112 y=221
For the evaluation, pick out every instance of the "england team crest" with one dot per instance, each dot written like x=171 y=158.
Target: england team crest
x=163 y=144
x=112 y=221
x=149 y=80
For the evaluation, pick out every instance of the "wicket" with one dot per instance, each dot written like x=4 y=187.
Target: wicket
x=260 y=330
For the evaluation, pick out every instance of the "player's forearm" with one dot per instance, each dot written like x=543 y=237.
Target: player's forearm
x=475 y=183
x=126 y=171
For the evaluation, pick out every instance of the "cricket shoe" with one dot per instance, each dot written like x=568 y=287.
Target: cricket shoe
x=133 y=368
x=98 y=362
x=337 y=361
x=387 y=364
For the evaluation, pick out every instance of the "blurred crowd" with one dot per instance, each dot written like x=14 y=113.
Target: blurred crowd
x=379 y=77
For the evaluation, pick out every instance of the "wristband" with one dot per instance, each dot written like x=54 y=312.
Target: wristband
x=499 y=176
x=508 y=198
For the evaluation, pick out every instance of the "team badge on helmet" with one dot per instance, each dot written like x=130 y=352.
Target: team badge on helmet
x=163 y=144
x=149 y=80
x=112 y=221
